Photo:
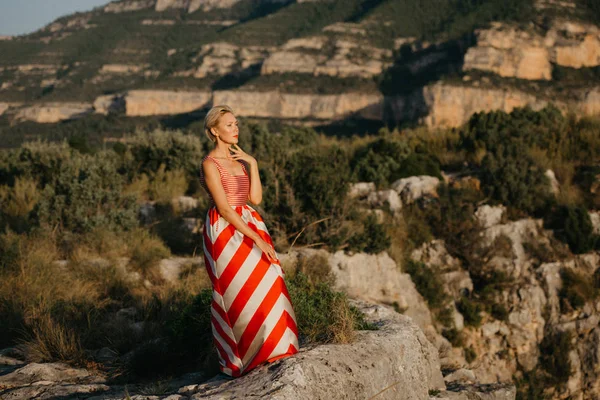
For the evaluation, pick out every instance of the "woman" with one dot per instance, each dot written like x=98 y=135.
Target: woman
x=252 y=317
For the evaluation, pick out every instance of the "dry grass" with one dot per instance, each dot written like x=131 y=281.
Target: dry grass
x=440 y=143
x=19 y=200
x=564 y=170
x=316 y=268
x=166 y=185
x=138 y=187
x=146 y=250
x=50 y=340
x=344 y=320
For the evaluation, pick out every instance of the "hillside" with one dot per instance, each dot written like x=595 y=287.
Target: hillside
x=433 y=61
x=395 y=53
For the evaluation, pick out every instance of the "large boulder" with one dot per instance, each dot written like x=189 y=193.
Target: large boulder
x=394 y=362
x=413 y=188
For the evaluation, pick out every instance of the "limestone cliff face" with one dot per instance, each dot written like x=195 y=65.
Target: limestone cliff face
x=162 y=5
x=275 y=104
x=590 y=102
x=509 y=51
x=450 y=105
x=299 y=56
x=53 y=112
x=160 y=102
x=130 y=5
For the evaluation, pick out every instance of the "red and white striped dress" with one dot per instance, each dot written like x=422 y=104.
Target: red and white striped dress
x=252 y=316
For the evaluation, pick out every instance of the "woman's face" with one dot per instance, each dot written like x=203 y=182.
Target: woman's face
x=227 y=128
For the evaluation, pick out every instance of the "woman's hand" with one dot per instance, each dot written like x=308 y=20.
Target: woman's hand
x=267 y=249
x=239 y=154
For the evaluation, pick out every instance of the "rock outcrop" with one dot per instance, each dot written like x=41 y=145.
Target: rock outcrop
x=274 y=104
x=299 y=56
x=128 y=5
x=394 y=362
x=53 y=112
x=160 y=102
x=413 y=188
x=510 y=51
x=445 y=105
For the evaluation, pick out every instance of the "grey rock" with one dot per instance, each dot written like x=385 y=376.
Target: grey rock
x=396 y=359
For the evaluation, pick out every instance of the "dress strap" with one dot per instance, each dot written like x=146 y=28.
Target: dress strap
x=216 y=162
x=221 y=168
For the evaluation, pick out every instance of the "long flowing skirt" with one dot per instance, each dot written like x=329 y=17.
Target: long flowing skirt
x=252 y=316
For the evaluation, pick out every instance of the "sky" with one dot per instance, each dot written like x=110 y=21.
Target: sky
x=18 y=17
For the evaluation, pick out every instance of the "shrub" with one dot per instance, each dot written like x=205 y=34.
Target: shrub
x=373 y=239
x=470 y=354
x=454 y=336
x=17 y=204
x=573 y=226
x=173 y=149
x=51 y=341
x=509 y=176
x=499 y=312
x=470 y=310
x=189 y=331
x=428 y=283
x=86 y=193
x=380 y=161
x=316 y=188
x=554 y=356
x=577 y=289
x=320 y=179
x=419 y=164
x=146 y=251
x=166 y=185
x=323 y=315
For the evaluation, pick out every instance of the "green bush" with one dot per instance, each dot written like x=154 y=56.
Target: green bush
x=323 y=315
x=173 y=149
x=454 y=336
x=419 y=164
x=428 y=283
x=573 y=226
x=470 y=354
x=471 y=311
x=554 y=356
x=320 y=177
x=499 y=312
x=189 y=331
x=86 y=193
x=577 y=289
x=373 y=239
x=380 y=162
x=510 y=177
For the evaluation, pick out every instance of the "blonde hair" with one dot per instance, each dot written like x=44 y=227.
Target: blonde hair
x=212 y=119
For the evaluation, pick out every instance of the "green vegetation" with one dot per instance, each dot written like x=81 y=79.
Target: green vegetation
x=470 y=310
x=577 y=289
x=573 y=226
x=470 y=354
x=323 y=315
x=554 y=356
x=77 y=198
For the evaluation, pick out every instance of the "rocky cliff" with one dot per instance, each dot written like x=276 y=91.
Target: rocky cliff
x=337 y=70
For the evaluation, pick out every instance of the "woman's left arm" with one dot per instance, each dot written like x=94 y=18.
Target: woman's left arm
x=255 y=195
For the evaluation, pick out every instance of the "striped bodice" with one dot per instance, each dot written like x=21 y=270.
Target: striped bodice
x=237 y=187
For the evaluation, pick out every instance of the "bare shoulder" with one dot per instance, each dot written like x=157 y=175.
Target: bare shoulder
x=209 y=165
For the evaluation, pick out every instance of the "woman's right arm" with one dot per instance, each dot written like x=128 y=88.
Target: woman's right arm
x=214 y=185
